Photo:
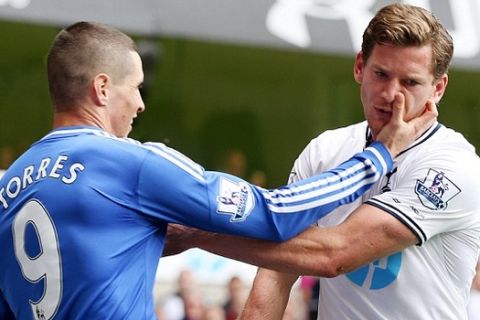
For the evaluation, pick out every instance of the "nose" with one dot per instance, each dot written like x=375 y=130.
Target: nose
x=141 y=107
x=390 y=89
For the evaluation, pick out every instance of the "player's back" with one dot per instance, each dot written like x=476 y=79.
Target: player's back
x=73 y=244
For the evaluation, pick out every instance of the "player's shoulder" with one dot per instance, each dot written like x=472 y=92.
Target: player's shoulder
x=449 y=143
x=126 y=152
x=354 y=131
x=89 y=144
x=452 y=138
x=331 y=148
x=347 y=137
x=443 y=148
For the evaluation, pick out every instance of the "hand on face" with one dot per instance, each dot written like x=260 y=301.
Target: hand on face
x=397 y=134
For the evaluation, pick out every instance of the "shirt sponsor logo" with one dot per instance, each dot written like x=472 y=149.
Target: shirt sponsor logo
x=378 y=274
x=436 y=190
x=235 y=199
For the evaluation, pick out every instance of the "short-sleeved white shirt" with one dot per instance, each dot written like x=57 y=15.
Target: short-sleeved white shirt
x=435 y=191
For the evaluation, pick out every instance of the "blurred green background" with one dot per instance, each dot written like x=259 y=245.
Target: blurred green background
x=233 y=108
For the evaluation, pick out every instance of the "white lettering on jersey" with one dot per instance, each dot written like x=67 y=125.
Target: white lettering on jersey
x=74 y=168
x=16 y=184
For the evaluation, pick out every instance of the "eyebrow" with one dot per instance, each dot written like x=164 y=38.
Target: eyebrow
x=414 y=76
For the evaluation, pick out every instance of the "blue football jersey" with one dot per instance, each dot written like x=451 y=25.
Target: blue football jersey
x=83 y=218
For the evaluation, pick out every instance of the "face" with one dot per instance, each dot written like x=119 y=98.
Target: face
x=125 y=101
x=390 y=71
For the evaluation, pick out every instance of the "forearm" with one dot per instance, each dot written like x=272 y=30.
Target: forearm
x=294 y=207
x=304 y=254
x=269 y=296
x=178 y=239
x=368 y=234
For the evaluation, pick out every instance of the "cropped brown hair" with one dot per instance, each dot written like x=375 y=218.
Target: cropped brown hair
x=406 y=25
x=81 y=51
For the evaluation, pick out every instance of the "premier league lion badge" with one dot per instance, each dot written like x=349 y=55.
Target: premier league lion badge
x=436 y=190
x=235 y=199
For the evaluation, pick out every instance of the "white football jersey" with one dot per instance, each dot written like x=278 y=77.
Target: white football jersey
x=433 y=190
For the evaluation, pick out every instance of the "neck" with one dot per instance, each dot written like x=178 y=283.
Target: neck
x=73 y=118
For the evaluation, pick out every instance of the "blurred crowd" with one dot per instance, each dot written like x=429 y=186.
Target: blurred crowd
x=190 y=302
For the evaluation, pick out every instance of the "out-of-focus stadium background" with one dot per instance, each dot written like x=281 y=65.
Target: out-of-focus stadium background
x=210 y=95
x=239 y=86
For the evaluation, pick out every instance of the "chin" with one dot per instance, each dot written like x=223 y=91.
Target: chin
x=375 y=127
x=122 y=134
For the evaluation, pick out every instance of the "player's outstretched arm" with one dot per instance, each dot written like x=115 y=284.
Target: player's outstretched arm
x=223 y=203
x=368 y=234
x=282 y=213
x=288 y=207
x=241 y=209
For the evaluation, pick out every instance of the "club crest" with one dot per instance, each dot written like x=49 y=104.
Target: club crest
x=436 y=190
x=235 y=199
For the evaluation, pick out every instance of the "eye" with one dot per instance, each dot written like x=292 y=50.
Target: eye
x=380 y=74
x=411 y=82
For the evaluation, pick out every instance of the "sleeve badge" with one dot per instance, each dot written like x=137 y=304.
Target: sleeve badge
x=436 y=190
x=235 y=199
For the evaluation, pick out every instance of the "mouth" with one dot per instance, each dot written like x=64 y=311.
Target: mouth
x=133 y=119
x=383 y=112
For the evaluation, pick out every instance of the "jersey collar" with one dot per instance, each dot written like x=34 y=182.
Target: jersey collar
x=424 y=137
x=75 y=130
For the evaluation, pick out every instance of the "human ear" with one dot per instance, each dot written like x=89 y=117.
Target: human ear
x=358 y=68
x=101 y=84
x=439 y=88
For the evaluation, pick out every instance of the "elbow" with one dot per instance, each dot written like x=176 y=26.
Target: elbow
x=338 y=264
x=323 y=270
x=334 y=270
x=328 y=270
x=327 y=266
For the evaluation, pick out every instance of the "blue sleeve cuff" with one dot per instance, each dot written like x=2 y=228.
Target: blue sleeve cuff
x=380 y=155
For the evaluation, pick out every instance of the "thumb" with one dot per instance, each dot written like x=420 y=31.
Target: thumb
x=398 y=108
x=426 y=119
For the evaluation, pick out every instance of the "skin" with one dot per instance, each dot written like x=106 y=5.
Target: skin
x=110 y=105
x=395 y=82
x=391 y=71
x=391 y=74
x=113 y=104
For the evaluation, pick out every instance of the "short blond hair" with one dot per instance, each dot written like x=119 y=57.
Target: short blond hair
x=405 y=25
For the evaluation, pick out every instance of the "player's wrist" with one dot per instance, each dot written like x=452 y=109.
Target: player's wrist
x=381 y=155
